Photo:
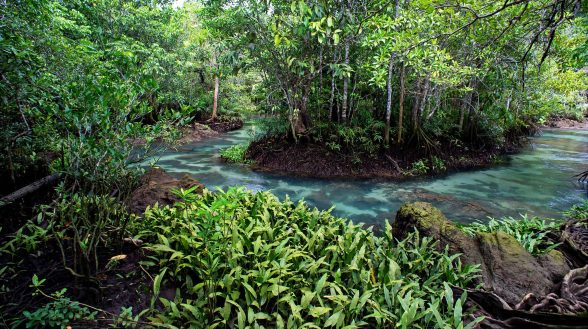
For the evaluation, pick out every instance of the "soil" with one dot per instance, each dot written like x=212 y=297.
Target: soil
x=225 y=124
x=121 y=283
x=277 y=154
x=195 y=133
x=566 y=123
x=202 y=130
x=157 y=186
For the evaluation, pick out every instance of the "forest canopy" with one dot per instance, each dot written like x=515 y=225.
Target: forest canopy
x=81 y=76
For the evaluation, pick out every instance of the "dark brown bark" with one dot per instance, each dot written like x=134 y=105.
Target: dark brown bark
x=33 y=187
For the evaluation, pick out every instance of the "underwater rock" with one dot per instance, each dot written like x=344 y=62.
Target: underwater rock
x=506 y=267
x=156 y=187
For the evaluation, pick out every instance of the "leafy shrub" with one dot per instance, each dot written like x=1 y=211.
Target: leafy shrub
x=242 y=259
x=531 y=233
x=578 y=211
x=84 y=224
x=419 y=167
x=235 y=153
x=58 y=313
x=438 y=164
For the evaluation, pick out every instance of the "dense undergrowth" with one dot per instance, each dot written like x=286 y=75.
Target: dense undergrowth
x=241 y=259
x=531 y=232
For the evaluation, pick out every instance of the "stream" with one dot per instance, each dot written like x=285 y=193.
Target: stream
x=538 y=181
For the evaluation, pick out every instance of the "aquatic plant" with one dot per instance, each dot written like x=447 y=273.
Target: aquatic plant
x=243 y=259
x=530 y=232
x=235 y=153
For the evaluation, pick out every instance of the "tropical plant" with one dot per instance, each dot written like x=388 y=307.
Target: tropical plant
x=235 y=154
x=58 y=313
x=238 y=258
x=577 y=211
x=419 y=167
x=531 y=232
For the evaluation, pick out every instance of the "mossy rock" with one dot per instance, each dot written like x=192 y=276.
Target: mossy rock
x=430 y=221
x=506 y=267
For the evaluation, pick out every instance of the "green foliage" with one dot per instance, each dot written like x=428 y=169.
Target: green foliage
x=235 y=154
x=31 y=237
x=84 y=225
x=244 y=259
x=438 y=165
x=420 y=167
x=361 y=136
x=531 y=233
x=94 y=84
x=58 y=313
x=466 y=75
x=578 y=211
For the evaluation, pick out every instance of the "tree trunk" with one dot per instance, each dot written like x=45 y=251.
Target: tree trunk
x=215 y=100
x=389 y=102
x=332 y=100
x=33 y=187
x=465 y=105
x=401 y=104
x=416 y=106
x=345 y=85
x=423 y=102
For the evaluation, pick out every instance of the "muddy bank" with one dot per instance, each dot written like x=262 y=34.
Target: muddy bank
x=277 y=155
x=201 y=130
x=156 y=187
x=566 y=123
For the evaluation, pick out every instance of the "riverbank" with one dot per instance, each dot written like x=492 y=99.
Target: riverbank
x=566 y=123
x=278 y=155
x=201 y=130
x=124 y=280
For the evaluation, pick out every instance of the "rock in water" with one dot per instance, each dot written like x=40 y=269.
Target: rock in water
x=156 y=187
x=506 y=267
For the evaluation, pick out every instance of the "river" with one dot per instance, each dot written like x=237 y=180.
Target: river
x=538 y=181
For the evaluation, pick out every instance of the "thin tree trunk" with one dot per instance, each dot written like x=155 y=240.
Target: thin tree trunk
x=389 y=102
x=320 y=92
x=332 y=100
x=466 y=103
x=215 y=100
x=423 y=102
x=33 y=187
x=401 y=105
x=416 y=106
x=345 y=85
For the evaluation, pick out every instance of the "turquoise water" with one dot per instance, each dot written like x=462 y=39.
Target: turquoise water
x=538 y=181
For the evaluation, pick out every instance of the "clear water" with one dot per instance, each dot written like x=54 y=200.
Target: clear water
x=538 y=181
